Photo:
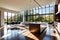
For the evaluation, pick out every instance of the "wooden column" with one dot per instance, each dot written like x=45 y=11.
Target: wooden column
x=56 y=10
x=56 y=17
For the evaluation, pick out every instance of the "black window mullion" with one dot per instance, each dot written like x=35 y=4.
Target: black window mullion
x=35 y=14
x=7 y=17
x=42 y=13
x=45 y=13
x=38 y=13
x=32 y=15
x=11 y=17
x=49 y=13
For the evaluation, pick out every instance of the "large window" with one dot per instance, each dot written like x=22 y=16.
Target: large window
x=11 y=17
x=40 y=14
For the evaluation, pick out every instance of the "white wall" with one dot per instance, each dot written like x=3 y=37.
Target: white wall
x=2 y=17
x=2 y=14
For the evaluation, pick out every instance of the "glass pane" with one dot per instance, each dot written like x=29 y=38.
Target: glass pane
x=51 y=5
x=47 y=18
x=52 y=9
x=30 y=18
x=13 y=14
x=47 y=5
x=39 y=7
x=21 y=18
x=18 y=17
x=30 y=11
x=15 y=17
x=41 y=18
x=9 y=17
x=5 y=15
x=26 y=12
x=43 y=6
x=9 y=14
x=51 y=18
x=43 y=10
x=44 y=18
x=36 y=18
x=40 y=11
x=47 y=10
x=36 y=10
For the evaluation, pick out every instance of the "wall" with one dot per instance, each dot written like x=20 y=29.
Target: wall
x=2 y=19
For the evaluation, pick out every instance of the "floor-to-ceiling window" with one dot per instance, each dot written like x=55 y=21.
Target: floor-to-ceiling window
x=11 y=17
x=40 y=14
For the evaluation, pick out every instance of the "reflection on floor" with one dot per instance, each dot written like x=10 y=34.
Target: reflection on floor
x=18 y=34
x=15 y=34
x=48 y=35
x=12 y=34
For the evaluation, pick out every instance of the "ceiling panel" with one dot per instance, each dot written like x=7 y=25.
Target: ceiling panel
x=19 y=5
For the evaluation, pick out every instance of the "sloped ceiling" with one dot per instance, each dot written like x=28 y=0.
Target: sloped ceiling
x=18 y=5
